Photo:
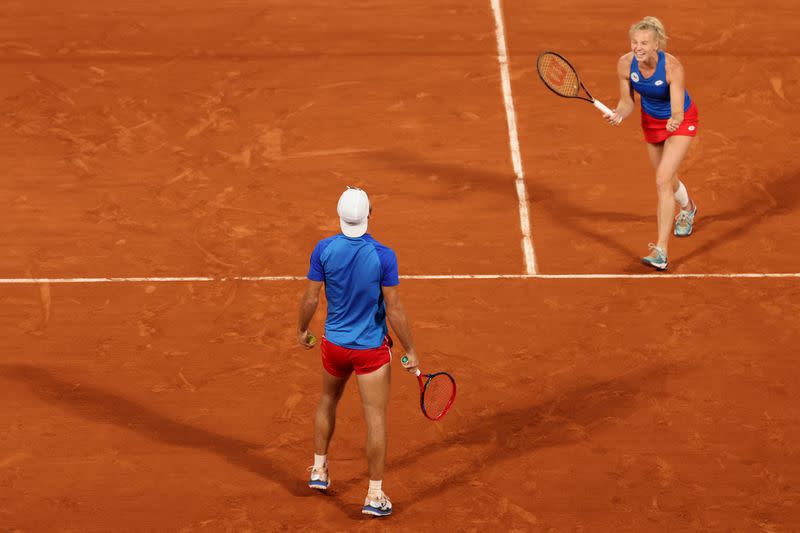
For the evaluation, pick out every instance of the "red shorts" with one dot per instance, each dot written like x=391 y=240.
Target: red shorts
x=655 y=129
x=340 y=362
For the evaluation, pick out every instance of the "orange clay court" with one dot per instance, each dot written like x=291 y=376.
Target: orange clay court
x=211 y=140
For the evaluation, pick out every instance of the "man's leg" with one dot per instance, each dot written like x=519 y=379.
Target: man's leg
x=374 y=388
x=325 y=419
x=324 y=424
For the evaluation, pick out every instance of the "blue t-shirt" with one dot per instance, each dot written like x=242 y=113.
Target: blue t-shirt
x=655 y=89
x=354 y=270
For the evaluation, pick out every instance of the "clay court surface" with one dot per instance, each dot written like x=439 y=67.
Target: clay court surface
x=212 y=139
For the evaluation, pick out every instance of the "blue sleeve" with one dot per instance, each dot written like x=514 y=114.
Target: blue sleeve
x=390 y=275
x=315 y=270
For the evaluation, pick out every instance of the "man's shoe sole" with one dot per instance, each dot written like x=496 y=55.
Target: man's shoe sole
x=374 y=512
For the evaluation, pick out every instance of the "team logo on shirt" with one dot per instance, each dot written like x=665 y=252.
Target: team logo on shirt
x=635 y=77
x=659 y=82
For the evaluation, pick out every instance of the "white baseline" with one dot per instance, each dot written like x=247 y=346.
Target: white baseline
x=223 y=279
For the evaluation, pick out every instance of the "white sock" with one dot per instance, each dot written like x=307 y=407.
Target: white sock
x=320 y=460
x=681 y=196
x=375 y=486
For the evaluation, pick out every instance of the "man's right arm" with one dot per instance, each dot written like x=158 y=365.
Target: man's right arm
x=308 y=306
x=396 y=314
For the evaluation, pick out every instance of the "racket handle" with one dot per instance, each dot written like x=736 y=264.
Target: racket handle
x=404 y=360
x=599 y=105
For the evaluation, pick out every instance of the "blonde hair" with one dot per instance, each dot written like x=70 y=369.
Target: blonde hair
x=654 y=25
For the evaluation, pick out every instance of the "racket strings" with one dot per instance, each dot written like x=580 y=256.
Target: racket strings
x=559 y=75
x=438 y=395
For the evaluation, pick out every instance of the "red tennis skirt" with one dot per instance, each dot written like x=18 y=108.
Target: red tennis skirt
x=655 y=129
x=340 y=362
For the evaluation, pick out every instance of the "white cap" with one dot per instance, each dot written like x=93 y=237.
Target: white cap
x=353 y=212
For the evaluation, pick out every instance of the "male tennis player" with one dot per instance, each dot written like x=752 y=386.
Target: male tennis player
x=361 y=278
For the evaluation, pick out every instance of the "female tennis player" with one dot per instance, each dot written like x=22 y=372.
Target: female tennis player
x=669 y=122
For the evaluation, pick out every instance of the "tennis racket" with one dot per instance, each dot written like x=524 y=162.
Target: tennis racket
x=560 y=76
x=437 y=392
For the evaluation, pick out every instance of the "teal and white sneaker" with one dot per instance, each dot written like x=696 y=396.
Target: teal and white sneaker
x=320 y=479
x=657 y=258
x=684 y=222
x=377 y=505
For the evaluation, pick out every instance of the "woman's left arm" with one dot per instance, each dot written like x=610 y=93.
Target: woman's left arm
x=677 y=90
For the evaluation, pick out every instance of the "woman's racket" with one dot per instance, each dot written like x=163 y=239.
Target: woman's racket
x=561 y=77
x=437 y=392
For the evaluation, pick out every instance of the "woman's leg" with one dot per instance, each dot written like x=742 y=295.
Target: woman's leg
x=655 y=151
x=673 y=152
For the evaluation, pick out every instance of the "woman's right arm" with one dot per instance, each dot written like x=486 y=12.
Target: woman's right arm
x=625 y=105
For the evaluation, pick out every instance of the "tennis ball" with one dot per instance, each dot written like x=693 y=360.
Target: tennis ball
x=311 y=339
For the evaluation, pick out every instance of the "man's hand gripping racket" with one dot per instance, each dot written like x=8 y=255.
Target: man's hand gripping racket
x=561 y=77
x=437 y=391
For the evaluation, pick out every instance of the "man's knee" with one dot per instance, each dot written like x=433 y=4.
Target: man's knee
x=376 y=429
x=329 y=401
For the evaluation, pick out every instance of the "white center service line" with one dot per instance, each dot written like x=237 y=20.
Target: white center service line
x=513 y=139
x=224 y=279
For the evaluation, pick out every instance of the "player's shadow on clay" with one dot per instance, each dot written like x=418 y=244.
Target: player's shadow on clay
x=777 y=197
x=566 y=214
x=569 y=417
x=99 y=405
x=563 y=419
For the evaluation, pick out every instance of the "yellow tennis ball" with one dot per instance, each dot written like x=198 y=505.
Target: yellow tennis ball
x=311 y=339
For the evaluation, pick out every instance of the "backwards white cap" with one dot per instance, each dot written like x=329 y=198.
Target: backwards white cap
x=353 y=212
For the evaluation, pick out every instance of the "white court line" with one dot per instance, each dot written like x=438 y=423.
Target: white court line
x=173 y=279
x=610 y=276
x=209 y=279
x=513 y=139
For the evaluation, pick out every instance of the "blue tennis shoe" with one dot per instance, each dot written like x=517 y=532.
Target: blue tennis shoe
x=684 y=222
x=320 y=479
x=657 y=258
x=377 y=505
